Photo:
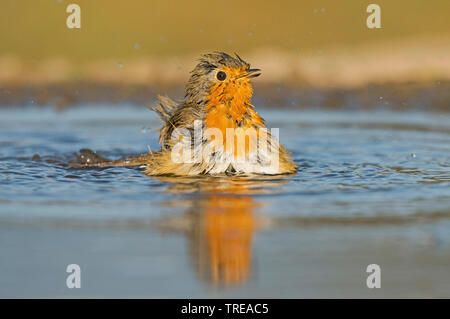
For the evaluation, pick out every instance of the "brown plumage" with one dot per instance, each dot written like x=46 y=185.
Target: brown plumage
x=217 y=97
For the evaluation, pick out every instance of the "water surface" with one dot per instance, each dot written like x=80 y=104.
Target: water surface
x=372 y=187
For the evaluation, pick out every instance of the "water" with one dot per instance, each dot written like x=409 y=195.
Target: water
x=373 y=187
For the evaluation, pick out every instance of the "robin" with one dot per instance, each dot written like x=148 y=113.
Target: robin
x=215 y=129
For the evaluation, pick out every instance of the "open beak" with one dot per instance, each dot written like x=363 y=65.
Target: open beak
x=252 y=73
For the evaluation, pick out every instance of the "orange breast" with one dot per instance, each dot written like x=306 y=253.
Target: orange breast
x=229 y=107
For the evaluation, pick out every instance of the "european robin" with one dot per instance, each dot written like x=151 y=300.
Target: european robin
x=215 y=129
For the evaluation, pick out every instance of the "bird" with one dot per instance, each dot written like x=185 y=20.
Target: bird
x=215 y=129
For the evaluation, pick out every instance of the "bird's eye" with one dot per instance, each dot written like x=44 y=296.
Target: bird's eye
x=221 y=75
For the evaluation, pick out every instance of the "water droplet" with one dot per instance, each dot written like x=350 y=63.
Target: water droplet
x=120 y=65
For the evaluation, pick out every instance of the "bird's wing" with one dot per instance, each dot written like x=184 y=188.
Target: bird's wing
x=166 y=107
x=173 y=116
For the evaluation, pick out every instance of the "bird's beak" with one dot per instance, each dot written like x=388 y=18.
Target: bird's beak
x=251 y=73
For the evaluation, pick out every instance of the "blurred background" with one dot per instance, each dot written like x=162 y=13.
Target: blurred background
x=365 y=113
x=128 y=51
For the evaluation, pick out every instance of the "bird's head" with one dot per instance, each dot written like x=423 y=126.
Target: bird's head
x=220 y=78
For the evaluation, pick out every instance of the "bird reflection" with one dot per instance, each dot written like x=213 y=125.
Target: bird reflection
x=219 y=222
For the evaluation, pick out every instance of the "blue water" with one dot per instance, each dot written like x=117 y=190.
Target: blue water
x=372 y=187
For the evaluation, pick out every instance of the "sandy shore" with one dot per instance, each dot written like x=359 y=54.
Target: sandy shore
x=432 y=96
x=408 y=73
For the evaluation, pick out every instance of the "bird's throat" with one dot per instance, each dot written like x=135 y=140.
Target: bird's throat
x=229 y=106
x=227 y=111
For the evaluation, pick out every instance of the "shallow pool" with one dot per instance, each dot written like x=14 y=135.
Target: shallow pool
x=372 y=187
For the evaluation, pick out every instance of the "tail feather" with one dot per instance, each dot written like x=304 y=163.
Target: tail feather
x=138 y=160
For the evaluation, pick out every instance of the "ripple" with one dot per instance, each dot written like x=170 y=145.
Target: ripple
x=363 y=167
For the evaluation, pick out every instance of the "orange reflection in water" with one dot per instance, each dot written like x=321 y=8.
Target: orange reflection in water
x=229 y=224
x=219 y=225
